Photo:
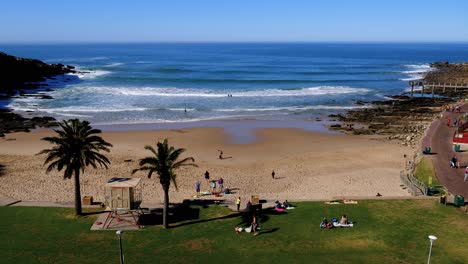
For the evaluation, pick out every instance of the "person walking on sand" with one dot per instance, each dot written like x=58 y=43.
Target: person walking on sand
x=273 y=174
x=448 y=122
x=466 y=174
x=220 y=154
x=238 y=202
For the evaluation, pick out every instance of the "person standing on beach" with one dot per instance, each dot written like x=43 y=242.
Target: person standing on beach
x=207 y=178
x=466 y=174
x=273 y=174
x=238 y=202
x=197 y=186
x=213 y=185
x=448 y=122
x=220 y=154
x=221 y=184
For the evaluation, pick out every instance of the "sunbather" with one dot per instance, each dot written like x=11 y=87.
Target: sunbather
x=344 y=220
x=324 y=223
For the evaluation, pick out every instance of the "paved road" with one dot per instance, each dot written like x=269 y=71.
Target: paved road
x=441 y=144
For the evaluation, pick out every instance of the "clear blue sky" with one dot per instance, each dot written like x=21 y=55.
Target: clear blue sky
x=236 y=20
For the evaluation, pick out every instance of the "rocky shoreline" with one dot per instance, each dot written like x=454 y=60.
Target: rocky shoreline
x=405 y=118
x=18 y=75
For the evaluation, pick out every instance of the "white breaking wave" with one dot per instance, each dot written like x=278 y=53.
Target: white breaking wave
x=84 y=109
x=291 y=108
x=115 y=64
x=418 y=66
x=179 y=92
x=416 y=71
x=66 y=111
x=91 y=74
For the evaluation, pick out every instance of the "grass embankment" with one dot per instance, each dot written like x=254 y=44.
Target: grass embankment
x=385 y=232
x=425 y=172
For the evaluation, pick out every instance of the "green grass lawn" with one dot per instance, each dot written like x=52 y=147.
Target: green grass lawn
x=425 y=171
x=385 y=232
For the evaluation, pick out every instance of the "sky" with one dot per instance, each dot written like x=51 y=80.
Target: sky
x=36 y=21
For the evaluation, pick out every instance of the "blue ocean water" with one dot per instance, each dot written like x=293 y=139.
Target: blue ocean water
x=182 y=82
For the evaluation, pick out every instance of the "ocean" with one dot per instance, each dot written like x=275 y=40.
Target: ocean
x=187 y=82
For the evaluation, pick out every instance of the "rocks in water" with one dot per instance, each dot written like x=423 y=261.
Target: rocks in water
x=17 y=74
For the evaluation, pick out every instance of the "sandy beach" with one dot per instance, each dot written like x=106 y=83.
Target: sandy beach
x=308 y=165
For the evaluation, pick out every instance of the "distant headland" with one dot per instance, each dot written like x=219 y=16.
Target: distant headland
x=22 y=73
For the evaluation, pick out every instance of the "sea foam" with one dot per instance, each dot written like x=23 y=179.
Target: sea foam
x=190 y=92
x=415 y=71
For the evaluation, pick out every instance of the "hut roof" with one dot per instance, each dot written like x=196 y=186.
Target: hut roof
x=123 y=182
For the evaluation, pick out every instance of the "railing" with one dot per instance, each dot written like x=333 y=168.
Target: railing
x=414 y=185
x=431 y=87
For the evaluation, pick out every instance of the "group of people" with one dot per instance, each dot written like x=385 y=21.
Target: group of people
x=452 y=108
x=253 y=227
x=454 y=123
x=284 y=205
x=213 y=184
x=329 y=224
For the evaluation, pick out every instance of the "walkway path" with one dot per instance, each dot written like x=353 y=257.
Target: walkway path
x=440 y=137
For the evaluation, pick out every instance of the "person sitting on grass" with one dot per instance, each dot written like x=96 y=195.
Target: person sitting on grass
x=278 y=205
x=344 y=220
x=286 y=204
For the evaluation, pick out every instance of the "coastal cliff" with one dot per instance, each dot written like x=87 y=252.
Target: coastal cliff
x=20 y=73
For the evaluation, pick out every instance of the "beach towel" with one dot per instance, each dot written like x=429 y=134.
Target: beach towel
x=337 y=224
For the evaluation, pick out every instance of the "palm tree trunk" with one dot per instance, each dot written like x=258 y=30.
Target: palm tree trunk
x=166 y=206
x=78 y=210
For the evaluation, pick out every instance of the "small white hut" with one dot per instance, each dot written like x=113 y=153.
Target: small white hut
x=123 y=194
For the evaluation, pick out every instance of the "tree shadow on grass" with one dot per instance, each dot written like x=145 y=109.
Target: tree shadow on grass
x=268 y=231
x=182 y=214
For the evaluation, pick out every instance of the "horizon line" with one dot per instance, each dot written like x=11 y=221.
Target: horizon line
x=236 y=42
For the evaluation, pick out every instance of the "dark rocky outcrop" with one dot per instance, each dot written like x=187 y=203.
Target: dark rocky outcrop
x=21 y=73
x=18 y=74
x=11 y=122
x=402 y=118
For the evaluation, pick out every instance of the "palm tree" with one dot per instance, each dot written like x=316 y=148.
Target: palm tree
x=76 y=147
x=164 y=162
